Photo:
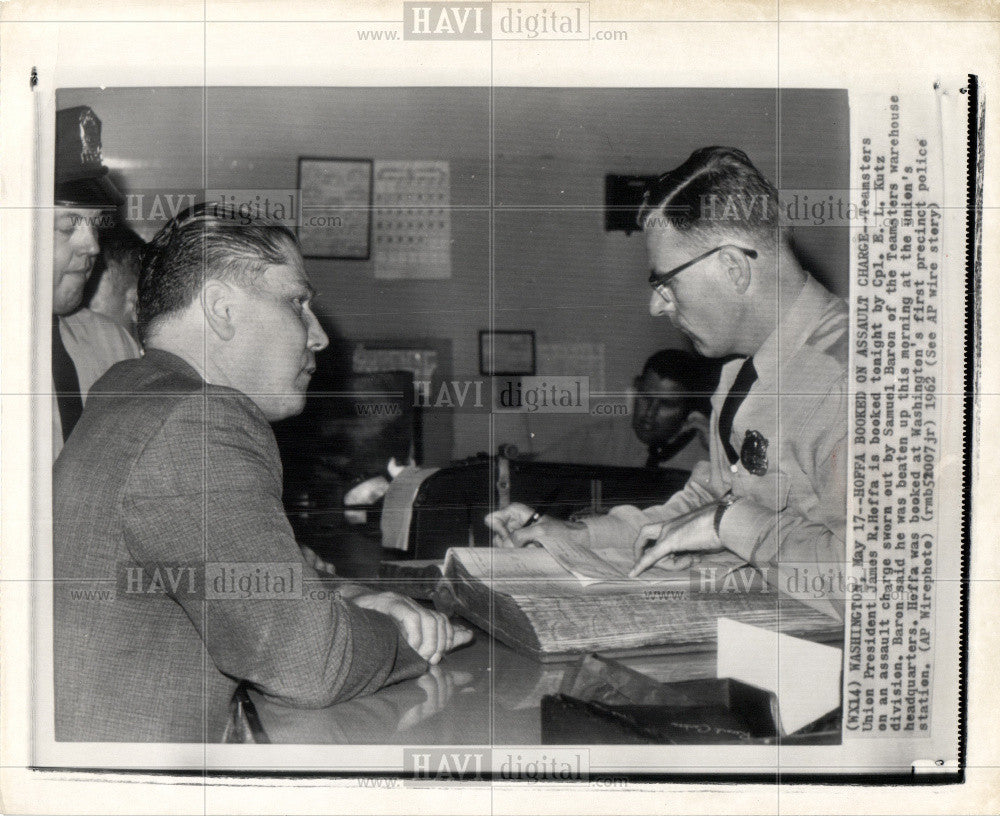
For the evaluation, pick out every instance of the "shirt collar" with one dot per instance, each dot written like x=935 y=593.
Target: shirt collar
x=793 y=329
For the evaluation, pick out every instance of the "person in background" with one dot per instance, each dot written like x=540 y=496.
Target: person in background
x=669 y=413
x=774 y=488
x=111 y=290
x=171 y=487
x=85 y=344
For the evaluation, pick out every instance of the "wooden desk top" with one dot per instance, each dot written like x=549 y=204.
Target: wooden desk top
x=482 y=694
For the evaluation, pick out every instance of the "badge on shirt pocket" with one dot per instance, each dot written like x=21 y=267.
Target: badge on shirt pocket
x=753 y=454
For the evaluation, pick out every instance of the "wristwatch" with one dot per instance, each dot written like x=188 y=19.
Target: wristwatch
x=723 y=505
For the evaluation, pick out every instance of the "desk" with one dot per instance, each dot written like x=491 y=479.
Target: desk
x=482 y=694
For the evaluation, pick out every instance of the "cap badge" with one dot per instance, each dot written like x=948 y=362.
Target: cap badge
x=90 y=138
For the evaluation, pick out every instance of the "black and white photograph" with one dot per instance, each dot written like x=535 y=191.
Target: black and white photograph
x=451 y=431
x=227 y=561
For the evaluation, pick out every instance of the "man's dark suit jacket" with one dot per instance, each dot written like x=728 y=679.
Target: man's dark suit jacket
x=165 y=470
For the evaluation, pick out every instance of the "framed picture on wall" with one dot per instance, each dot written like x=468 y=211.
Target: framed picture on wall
x=335 y=208
x=507 y=353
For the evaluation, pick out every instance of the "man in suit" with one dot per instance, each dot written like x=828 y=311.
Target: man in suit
x=84 y=344
x=773 y=490
x=168 y=495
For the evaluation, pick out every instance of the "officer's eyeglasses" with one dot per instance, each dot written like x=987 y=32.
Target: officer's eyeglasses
x=658 y=279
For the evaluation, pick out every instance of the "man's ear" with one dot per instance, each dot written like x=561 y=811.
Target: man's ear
x=217 y=302
x=737 y=266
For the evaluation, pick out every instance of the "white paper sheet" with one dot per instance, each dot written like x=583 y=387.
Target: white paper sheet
x=397 y=507
x=804 y=675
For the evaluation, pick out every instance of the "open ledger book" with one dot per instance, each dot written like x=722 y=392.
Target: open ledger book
x=553 y=603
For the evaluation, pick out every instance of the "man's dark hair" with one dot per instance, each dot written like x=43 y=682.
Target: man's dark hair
x=205 y=241
x=716 y=190
x=697 y=376
x=121 y=257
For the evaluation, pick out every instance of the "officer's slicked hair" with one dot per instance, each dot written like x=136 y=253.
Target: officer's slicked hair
x=717 y=190
x=203 y=242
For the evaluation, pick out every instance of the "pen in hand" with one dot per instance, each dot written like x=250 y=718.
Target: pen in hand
x=507 y=539
x=535 y=517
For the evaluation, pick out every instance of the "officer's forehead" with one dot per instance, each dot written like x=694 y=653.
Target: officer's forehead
x=664 y=239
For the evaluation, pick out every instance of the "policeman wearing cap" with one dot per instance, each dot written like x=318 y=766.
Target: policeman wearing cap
x=84 y=343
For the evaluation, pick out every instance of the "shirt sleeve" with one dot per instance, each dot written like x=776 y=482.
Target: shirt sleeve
x=621 y=525
x=800 y=549
x=95 y=343
x=207 y=492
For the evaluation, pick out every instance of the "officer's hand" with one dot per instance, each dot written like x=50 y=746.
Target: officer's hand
x=676 y=543
x=541 y=532
x=430 y=634
x=505 y=522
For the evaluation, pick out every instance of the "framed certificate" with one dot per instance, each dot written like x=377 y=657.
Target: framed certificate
x=507 y=353
x=335 y=208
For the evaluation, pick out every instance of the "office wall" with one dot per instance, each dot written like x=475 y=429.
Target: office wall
x=559 y=272
x=555 y=269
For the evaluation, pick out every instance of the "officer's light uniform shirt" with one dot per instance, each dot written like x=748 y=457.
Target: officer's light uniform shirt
x=94 y=343
x=792 y=518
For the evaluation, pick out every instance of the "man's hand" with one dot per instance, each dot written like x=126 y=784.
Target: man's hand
x=317 y=563
x=511 y=527
x=505 y=522
x=430 y=634
x=680 y=540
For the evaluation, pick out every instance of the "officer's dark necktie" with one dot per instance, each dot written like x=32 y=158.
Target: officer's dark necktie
x=66 y=382
x=746 y=377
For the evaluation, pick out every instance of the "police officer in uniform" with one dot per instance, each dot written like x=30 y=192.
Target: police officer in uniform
x=774 y=488
x=84 y=344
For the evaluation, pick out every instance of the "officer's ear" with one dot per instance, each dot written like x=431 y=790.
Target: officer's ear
x=736 y=266
x=218 y=304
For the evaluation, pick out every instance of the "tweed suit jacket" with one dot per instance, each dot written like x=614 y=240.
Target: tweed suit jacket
x=175 y=478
